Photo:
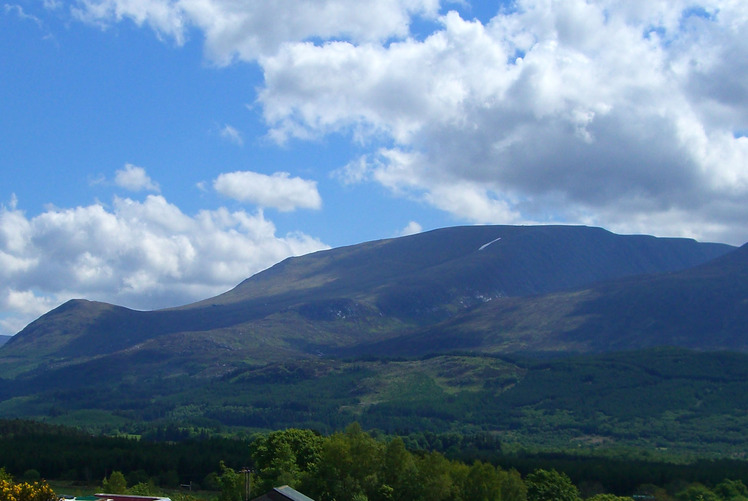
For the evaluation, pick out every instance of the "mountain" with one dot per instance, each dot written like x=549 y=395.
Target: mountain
x=449 y=330
x=349 y=299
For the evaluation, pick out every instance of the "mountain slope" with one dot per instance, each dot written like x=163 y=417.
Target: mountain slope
x=704 y=307
x=507 y=260
x=346 y=299
x=350 y=296
x=251 y=357
x=364 y=292
x=656 y=399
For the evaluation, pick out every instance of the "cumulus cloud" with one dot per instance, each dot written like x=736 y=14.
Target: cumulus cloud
x=279 y=191
x=142 y=254
x=411 y=229
x=576 y=111
x=24 y=305
x=165 y=17
x=134 y=178
x=245 y=30
x=598 y=111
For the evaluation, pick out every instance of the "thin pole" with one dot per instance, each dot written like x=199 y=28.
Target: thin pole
x=247 y=483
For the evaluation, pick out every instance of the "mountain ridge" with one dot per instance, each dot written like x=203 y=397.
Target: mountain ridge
x=412 y=332
x=361 y=294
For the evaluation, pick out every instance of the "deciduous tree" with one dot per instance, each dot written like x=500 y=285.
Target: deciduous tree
x=550 y=485
x=115 y=484
x=231 y=484
x=697 y=492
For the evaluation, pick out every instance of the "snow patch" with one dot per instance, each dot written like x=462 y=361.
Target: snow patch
x=489 y=243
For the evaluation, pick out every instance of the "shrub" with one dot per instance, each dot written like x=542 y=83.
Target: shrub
x=24 y=491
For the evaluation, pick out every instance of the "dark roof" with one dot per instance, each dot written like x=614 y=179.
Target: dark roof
x=283 y=493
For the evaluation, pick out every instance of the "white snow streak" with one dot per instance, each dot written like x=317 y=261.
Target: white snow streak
x=489 y=243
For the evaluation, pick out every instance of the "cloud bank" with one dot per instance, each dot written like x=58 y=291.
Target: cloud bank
x=245 y=30
x=630 y=115
x=568 y=111
x=142 y=254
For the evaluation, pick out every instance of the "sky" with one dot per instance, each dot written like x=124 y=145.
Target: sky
x=158 y=152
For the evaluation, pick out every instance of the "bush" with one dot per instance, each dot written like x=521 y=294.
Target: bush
x=24 y=491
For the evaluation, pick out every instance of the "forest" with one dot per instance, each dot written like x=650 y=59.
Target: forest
x=350 y=465
x=679 y=401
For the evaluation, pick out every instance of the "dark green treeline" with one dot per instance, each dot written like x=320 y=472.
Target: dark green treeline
x=356 y=465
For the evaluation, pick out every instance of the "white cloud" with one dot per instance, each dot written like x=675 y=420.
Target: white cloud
x=599 y=111
x=245 y=30
x=139 y=254
x=232 y=135
x=165 y=17
x=568 y=111
x=135 y=178
x=25 y=302
x=18 y=11
x=411 y=229
x=279 y=191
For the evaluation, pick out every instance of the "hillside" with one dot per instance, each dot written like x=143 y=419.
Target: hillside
x=336 y=300
x=340 y=335
x=704 y=308
x=651 y=400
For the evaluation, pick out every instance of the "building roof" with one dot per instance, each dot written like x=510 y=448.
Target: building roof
x=292 y=494
x=128 y=497
x=283 y=493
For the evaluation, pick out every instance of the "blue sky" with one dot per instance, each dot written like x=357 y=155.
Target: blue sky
x=157 y=152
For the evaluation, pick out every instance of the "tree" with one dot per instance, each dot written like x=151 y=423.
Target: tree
x=284 y=457
x=550 y=485
x=350 y=465
x=115 y=484
x=333 y=477
x=437 y=477
x=144 y=489
x=366 y=456
x=400 y=471
x=305 y=445
x=483 y=483
x=231 y=484
x=282 y=470
x=653 y=492
x=697 y=492
x=731 y=490
x=513 y=488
